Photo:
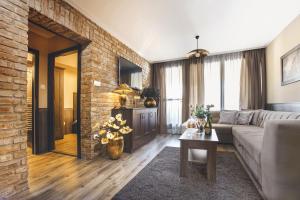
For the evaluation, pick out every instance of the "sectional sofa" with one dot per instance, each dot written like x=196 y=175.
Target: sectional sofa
x=269 y=147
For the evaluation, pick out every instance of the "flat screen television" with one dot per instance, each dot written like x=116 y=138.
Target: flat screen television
x=130 y=73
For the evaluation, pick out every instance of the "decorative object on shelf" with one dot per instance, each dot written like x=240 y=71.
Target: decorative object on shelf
x=111 y=133
x=290 y=66
x=204 y=117
x=136 y=98
x=152 y=97
x=123 y=89
x=197 y=53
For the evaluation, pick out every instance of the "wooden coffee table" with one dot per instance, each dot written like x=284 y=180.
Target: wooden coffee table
x=192 y=139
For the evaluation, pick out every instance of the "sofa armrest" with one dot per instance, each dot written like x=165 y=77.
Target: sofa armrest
x=215 y=116
x=280 y=160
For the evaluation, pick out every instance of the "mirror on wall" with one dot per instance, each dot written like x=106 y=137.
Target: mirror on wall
x=130 y=73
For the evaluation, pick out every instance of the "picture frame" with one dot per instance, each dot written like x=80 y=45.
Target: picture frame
x=290 y=66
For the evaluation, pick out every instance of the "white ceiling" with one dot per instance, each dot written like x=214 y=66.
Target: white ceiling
x=164 y=29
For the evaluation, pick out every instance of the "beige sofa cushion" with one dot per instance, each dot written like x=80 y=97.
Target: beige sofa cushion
x=255 y=117
x=244 y=117
x=251 y=137
x=266 y=115
x=228 y=117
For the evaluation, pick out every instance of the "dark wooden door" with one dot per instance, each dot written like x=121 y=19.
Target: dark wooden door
x=58 y=103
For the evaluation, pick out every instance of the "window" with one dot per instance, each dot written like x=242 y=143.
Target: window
x=212 y=80
x=222 y=82
x=174 y=97
x=232 y=72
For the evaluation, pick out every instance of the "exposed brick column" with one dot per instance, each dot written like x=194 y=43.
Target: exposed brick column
x=13 y=79
x=85 y=101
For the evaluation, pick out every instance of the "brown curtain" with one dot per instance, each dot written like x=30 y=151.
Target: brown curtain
x=186 y=90
x=196 y=82
x=253 y=80
x=160 y=84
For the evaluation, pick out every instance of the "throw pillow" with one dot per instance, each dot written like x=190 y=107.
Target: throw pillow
x=244 y=117
x=228 y=117
x=255 y=117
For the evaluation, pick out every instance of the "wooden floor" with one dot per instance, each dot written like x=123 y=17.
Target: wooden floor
x=67 y=145
x=56 y=176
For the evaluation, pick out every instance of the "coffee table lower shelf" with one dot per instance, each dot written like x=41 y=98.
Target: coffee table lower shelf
x=192 y=139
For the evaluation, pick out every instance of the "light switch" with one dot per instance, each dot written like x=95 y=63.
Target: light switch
x=97 y=83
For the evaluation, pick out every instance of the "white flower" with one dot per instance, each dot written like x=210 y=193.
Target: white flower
x=111 y=119
x=119 y=117
x=115 y=127
x=125 y=130
x=110 y=135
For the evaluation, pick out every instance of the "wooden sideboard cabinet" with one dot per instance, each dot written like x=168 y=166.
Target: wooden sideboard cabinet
x=143 y=121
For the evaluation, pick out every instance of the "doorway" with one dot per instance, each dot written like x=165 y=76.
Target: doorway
x=32 y=99
x=64 y=93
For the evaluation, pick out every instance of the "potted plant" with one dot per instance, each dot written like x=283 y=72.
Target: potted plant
x=204 y=117
x=111 y=133
x=152 y=97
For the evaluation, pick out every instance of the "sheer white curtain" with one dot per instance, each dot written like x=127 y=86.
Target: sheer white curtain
x=174 y=98
x=222 y=81
x=212 y=83
x=232 y=74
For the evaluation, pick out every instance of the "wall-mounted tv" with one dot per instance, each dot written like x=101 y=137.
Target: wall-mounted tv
x=130 y=73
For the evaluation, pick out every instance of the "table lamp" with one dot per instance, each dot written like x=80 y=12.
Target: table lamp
x=123 y=89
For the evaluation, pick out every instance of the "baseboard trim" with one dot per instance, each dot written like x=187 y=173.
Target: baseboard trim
x=287 y=107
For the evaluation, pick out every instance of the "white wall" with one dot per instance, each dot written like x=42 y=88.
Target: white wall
x=285 y=41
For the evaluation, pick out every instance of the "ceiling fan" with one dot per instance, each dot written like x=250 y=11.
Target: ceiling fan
x=197 y=53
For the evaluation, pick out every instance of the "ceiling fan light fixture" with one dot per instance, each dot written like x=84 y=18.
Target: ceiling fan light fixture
x=197 y=53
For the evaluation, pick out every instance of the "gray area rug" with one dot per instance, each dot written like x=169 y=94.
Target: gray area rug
x=160 y=180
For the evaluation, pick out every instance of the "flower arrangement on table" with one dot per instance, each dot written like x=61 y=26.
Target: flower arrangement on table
x=203 y=114
x=111 y=133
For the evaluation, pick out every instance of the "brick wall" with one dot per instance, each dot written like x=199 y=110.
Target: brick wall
x=13 y=79
x=99 y=62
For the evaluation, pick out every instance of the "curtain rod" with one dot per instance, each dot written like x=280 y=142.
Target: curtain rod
x=214 y=54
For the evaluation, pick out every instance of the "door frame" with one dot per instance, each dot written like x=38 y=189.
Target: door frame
x=35 y=102
x=51 y=62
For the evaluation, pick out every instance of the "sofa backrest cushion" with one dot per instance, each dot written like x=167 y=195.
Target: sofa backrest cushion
x=255 y=116
x=228 y=117
x=266 y=115
x=244 y=117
